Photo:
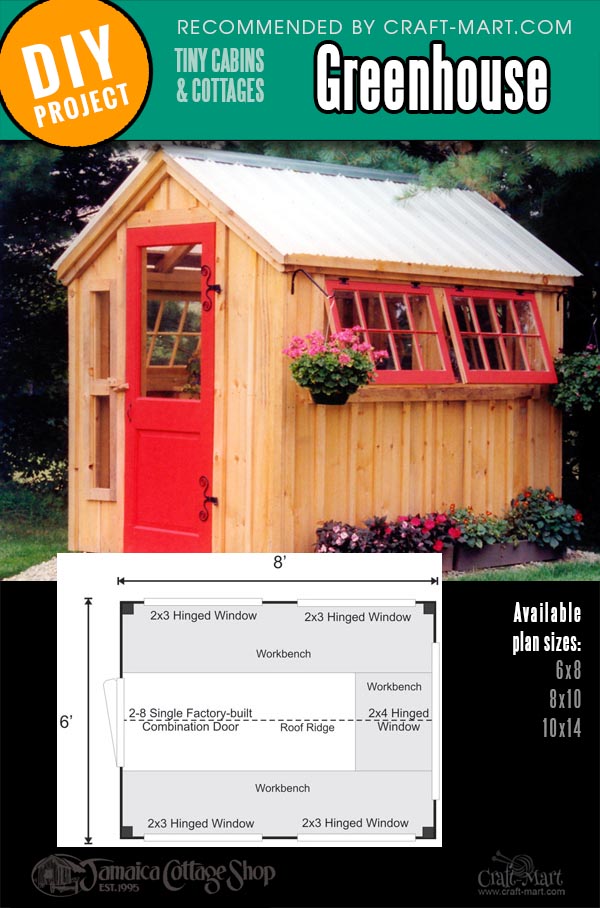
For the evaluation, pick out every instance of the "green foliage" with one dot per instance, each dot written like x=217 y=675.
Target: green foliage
x=393 y=156
x=478 y=530
x=578 y=385
x=32 y=527
x=46 y=196
x=549 y=570
x=507 y=170
x=563 y=158
x=20 y=501
x=537 y=515
x=323 y=374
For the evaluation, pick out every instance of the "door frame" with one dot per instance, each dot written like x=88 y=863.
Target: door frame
x=136 y=239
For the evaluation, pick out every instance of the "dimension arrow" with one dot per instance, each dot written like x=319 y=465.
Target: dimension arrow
x=88 y=604
x=433 y=581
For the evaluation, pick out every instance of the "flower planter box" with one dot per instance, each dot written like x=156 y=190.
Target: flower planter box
x=448 y=558
x=499 y=555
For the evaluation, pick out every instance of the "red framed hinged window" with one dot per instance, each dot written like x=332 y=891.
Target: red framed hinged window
x=403 y=321
x=498 y=336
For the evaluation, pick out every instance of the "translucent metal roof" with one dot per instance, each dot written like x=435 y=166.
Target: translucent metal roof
x=308 y=210
x=300 y=212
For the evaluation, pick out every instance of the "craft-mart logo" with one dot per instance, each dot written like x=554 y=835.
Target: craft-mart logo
x=64 y=875
x=519 y=876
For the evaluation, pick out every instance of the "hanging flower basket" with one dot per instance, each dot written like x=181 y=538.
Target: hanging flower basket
x=331 y=399
x=333 y=369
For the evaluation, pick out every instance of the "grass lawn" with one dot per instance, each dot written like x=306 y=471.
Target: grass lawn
x=567 y=569
x=33 y=528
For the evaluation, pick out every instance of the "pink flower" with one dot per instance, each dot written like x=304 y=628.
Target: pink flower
x=438 y=545
x=441 y=518
x=344 y=359
x=429 y=524
x=454 y=532
x=415 y=522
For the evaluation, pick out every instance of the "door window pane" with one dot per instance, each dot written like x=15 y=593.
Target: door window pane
x=172 y=322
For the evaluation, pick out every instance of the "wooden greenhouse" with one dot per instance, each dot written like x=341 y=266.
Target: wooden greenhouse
x=187 y=432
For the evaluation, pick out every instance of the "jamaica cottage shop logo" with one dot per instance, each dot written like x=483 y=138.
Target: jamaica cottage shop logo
x=519 y=876
x=63 y=875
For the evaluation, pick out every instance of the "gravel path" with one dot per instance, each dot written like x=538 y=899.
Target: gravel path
x=44 y=571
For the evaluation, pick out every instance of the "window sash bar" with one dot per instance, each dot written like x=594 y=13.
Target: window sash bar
x=388 y=325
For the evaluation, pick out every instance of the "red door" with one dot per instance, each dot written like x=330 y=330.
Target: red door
x=169 y=403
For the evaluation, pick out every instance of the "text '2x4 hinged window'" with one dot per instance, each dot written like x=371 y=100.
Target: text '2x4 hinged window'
x=488 y=336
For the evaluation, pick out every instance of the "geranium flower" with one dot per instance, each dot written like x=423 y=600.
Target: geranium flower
x=415 y=522
x=380 y=354
x=438 y=545
x=454 y=532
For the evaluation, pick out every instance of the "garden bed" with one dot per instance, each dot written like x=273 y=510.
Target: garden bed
x=538 y=526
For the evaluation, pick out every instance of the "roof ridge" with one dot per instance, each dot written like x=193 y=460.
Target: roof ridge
x=275 y=163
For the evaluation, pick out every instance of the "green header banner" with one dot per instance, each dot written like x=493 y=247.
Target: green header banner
x=349 y=70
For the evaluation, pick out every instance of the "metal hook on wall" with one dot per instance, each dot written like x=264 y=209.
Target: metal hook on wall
x=311 y=279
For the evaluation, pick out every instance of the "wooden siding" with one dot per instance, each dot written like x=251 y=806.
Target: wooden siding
x=94 y=525
x=282 y=464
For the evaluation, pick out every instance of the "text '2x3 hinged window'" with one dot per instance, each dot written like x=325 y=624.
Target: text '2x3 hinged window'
x=485 y=336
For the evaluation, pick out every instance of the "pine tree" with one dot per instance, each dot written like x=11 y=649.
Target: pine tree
x=46 y=196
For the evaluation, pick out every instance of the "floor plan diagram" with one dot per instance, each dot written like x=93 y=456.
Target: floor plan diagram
x=293 y=711
x=275 y=718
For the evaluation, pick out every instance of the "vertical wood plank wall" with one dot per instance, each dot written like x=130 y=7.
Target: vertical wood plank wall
x=282 y=464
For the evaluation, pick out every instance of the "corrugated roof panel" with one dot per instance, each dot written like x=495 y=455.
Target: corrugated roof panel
x=301 y=213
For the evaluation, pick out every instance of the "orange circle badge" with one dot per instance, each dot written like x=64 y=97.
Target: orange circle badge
x=74 y=73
